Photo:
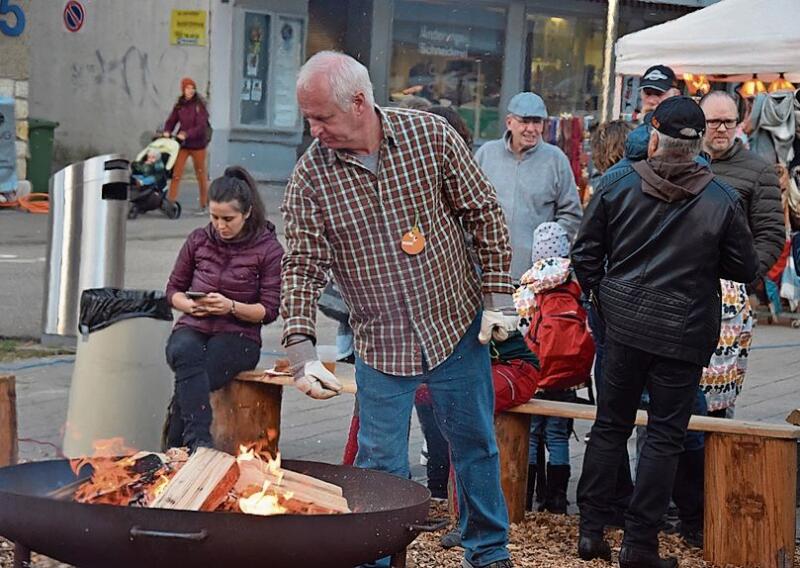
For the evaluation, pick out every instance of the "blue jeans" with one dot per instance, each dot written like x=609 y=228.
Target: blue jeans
x=556 y=431
x=463 y=400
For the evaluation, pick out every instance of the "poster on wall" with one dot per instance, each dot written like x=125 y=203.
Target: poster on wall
x=285 y=112
x=630 y=96
x=8 y=148
x=254 y=68
x=188 y=27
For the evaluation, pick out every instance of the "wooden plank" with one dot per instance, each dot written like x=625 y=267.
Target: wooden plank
x=246 y=412
x=512 y=432
x=697 y=423
x=750 y=489
x=9 y=450
x=202 y=484
x=348 y=383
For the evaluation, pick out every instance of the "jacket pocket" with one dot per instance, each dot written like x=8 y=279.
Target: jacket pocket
x=642 y=310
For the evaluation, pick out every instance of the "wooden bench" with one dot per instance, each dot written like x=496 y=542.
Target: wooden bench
x=8 y=420
x=750 y=476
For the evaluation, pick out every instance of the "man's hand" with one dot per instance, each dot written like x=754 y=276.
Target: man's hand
x=499 y=318
x=310 y=375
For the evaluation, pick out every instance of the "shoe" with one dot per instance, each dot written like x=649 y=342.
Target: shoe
x=505 y=563
x=200 y=212
x=692 y=537
x=590 y=547
x=450 y=539
x=635 y=558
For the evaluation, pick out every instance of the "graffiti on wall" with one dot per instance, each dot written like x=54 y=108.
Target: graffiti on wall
x=12 y=19
x=143 y=80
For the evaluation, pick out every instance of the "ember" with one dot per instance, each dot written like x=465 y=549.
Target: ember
x=208 y=480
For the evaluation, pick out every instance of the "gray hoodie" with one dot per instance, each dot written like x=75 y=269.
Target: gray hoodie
x=536 y=189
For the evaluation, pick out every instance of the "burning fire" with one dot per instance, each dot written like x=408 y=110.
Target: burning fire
x=262 y=502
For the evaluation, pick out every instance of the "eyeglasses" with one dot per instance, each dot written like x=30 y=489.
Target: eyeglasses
x=528 y=119
x=714 y=123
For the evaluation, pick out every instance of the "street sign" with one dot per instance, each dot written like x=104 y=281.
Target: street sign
x=74 y=16
x=18 y=18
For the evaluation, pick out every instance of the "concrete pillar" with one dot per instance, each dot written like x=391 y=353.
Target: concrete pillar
x=514 y=57
x=380 y=59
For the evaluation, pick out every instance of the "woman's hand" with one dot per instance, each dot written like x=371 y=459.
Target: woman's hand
x=181 y=136
x=215 y=304
x=166 y=134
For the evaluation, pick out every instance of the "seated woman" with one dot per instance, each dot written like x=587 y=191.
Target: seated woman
x=227 y=283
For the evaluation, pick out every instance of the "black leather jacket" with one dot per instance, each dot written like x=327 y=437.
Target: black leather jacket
x=652 y=252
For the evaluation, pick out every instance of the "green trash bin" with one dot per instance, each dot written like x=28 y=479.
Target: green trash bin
x=41 y=147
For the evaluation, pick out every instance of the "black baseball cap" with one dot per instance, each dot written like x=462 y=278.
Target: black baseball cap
x=679 y=117
x=658 y=77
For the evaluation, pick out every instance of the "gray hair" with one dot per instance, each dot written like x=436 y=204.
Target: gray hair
x=676 y=148
x=346 y=77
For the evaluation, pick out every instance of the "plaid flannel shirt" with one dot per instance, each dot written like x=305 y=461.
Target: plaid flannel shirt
x=341 y=217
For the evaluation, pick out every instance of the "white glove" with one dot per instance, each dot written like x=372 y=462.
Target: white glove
x=498 y=322
x=317 y=382
x=310 y=375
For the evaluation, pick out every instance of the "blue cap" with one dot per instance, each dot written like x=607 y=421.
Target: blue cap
x=527 y=104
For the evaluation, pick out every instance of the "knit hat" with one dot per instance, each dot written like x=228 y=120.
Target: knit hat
x=187 y=81
x=549 y=239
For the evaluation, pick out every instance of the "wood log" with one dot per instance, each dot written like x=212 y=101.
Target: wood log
x=794 y=417
x=246 y=412
x=254 y=473
x=202 y=484
x=9 y=450
x=512 y=432
x=750 y=487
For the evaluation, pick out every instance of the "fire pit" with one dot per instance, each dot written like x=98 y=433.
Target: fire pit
x=388 y=514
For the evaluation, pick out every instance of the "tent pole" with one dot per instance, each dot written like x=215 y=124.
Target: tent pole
x=612 y=20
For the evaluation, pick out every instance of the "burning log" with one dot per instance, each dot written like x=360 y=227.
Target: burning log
x=202 y=484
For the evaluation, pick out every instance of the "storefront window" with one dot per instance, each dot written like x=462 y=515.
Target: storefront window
x=254 y=69
x=451 y=54
x=565 y=62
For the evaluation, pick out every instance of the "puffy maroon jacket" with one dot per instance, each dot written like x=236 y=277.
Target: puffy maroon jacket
x=247 y=271
x=192 y=116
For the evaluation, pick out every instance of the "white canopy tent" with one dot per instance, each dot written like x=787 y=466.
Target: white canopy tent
x=732 y=37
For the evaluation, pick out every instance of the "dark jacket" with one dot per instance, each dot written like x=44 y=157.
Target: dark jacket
x=247 y=271
x=757 y=184
x=192 y=116
x=655 y=240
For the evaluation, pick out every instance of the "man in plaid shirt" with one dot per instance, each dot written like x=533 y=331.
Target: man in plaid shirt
x=379 y=199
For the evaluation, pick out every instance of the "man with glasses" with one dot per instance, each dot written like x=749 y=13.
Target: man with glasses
x=751 y=176
x=533 y=179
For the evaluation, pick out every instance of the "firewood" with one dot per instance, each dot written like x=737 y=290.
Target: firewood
x=254 y=473
x=202 y=484
x=315 y=482
x=794 y=417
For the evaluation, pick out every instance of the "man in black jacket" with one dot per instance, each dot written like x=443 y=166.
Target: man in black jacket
x=655 y=240
x=749 y=174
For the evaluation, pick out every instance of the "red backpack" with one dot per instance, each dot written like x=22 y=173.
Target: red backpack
x=560 y=337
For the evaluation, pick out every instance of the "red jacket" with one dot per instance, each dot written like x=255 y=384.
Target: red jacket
x=192 y=116
x=247 y=271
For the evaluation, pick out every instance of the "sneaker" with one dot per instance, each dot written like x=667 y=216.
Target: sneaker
x=504 y=563
x=200 y=212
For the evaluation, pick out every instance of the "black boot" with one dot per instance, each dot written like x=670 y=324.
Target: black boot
x=557 y=482
x=590 y=548
x=637 y=558
x=531 y=487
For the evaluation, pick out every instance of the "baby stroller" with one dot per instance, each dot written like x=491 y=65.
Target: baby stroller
x=150 y=173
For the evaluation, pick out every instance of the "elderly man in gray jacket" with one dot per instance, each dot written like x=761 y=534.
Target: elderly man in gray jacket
x=533 y=179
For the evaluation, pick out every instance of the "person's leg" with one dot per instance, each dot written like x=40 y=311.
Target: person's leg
x=177 y=173
x=227 y=355
x=384 y=410
x=463 y=400
x=438 y=466
x=616 y=411
x=556 y=435
x=199 y=162
x=672 y=386
x=534 y=438
x=186 y=356
x=598 y=329
x=687 y=492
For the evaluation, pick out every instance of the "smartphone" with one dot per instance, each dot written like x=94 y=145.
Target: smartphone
x=195 y=295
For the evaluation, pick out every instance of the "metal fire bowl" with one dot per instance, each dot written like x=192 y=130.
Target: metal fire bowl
x=389 y=512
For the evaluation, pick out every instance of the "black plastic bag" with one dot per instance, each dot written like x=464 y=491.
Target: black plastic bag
x=100 y=307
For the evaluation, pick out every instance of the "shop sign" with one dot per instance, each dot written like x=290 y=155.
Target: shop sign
x=188 y=27
x=14 y=25
x=433 y=41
